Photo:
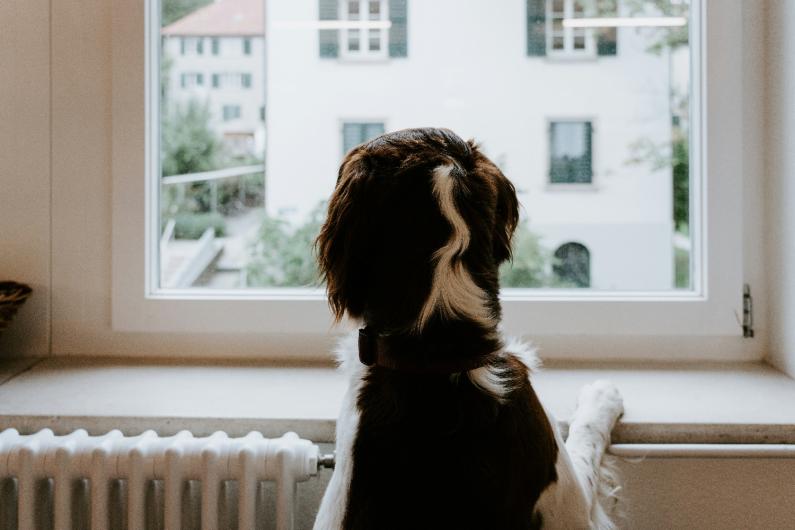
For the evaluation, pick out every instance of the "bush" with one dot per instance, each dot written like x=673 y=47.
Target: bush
x=531 y=263
x=193 y=225
x=283 y=256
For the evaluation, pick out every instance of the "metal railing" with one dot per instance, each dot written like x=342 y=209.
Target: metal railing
x=213 y=177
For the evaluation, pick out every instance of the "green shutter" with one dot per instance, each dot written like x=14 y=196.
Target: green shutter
x=216 y=81
x=607 y=38
x=587 y=170
x=328 y=39
x=216 y=45
x=536 y=28
x=398 y=33
x=246 y=80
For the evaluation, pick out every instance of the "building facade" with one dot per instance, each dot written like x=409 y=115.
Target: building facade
x=216 y=56
x=558 y=108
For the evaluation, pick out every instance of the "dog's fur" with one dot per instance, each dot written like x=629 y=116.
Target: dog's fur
x=417 y=227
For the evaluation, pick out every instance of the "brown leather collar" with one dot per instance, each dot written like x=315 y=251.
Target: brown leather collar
x=385 y=351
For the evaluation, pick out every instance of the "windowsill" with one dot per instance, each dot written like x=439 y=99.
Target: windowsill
x=672 y=403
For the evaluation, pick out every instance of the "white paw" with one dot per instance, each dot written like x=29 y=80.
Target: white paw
x=603 y=396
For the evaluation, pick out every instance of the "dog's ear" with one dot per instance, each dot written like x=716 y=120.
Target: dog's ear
x=342 y=243
x=506 y=218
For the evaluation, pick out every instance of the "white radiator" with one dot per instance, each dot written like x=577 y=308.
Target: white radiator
x=97 y=462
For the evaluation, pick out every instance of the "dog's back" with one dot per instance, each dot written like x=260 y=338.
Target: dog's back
x=435 y=451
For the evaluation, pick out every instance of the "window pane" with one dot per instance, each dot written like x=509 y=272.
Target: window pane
x=598 y=149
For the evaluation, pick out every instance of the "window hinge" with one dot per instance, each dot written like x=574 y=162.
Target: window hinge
x=748 y=312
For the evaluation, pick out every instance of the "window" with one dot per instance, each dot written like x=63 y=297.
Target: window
x=548 y=32
x=246 y=46
x=231 y=112
x=305 y=97
x=191 y=79
x=570 y=148
x=192 y=45
x=363 y=29
x=565 y=40
x=573 y=265
x=216 y=45
x=232 y=80
x=354 y=134
x=367 y=40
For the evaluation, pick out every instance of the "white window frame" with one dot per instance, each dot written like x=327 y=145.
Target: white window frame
x=568 y=50
x=662 y=325
x=364 y=53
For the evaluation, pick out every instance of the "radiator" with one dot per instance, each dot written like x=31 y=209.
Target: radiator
x=118 y=473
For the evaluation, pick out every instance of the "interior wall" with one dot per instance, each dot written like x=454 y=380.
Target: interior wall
x=25 y=169
x=780 y=172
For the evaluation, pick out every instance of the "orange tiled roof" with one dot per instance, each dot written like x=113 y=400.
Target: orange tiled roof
x=221 y=18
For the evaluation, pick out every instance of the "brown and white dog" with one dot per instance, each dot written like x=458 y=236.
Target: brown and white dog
x=441 y=427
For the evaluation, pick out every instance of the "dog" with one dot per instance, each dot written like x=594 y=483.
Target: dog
x=440 y=427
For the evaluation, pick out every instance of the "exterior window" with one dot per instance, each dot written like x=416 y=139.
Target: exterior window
x=231 y=112
x=191 y=79
x=246 y=46
x=570 y=153
x=216 y=45
x=191 y=46
x=567 y=41
x=364 y=41
x=232 y=80
x=546 y=34
x=354 y=134
x=367 y=29
x=572 y=265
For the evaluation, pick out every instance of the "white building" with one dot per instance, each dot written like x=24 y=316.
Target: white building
x=217 y=56
x=556 y=108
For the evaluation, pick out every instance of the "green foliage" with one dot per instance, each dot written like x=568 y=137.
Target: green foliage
x=173 y=10
x=193 y=225
x=189 y=145
x=673 y=155
x=282 y=255
x=662 y=38
x=681 y=268
x=531 y=263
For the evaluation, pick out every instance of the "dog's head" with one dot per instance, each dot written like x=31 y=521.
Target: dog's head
x=417 y=227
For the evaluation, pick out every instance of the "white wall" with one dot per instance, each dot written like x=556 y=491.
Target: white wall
x=25 y=168
x=780 y=222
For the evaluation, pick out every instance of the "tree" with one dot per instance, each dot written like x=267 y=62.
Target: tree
x=189 y=143
x=176 y=9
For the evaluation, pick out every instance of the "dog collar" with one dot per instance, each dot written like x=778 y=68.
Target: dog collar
x=388 y=352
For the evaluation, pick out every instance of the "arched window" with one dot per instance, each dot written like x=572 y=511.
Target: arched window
x=573 y=265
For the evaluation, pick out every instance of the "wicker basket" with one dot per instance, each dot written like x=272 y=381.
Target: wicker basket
x=12 y=296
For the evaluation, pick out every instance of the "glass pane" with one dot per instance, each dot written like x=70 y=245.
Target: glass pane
x=375 y=39
x=353 y=40
x=598 y=150
x=375 y=9
x=353 y=10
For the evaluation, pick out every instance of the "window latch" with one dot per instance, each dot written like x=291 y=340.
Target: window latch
x=748 y=312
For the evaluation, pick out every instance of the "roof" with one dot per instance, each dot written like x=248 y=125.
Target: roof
x=221 y=18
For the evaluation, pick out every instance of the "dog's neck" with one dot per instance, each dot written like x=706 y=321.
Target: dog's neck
x=445 y=348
